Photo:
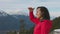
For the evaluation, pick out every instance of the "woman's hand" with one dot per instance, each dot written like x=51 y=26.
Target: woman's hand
x=31 y=9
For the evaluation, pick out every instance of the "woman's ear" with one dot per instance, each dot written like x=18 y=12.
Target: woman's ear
x=42 y=13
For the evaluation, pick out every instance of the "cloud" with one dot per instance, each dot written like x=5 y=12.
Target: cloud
x=5 y=1
x=14 y=5
x=21 y=4
x=17 y=11
x=55 y=14
x=49 y=4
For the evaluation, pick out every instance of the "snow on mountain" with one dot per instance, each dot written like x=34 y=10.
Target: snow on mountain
x=17 y=12
x=3 y=13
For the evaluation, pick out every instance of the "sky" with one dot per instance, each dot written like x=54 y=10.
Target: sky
x=13 y=6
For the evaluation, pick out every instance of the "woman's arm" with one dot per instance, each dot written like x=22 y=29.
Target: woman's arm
x=31 y=15
x=32 y=18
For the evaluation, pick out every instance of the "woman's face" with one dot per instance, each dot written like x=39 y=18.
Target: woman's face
x=38 y=13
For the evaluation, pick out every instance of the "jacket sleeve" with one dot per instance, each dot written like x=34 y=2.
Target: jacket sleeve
x=46 y=27
x=32 y=18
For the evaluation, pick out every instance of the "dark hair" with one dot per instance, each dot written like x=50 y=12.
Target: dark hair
x=46 y=13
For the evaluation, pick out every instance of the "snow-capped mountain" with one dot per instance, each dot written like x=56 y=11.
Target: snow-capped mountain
x=9 y=22
x=17 y=12
x=2 y=13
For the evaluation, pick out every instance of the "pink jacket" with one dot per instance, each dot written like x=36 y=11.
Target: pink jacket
x=43 y=27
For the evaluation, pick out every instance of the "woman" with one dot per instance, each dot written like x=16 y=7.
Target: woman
x=42 y=21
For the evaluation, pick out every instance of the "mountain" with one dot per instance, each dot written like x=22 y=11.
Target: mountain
x=2 y=13
x=8 y=22
x=12 y=22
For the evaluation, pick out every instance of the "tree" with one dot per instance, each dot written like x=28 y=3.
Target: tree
x=22 y=26
x=56 y=23
x=11 y=32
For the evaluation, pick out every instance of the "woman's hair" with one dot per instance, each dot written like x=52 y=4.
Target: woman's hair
x=45 y=12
